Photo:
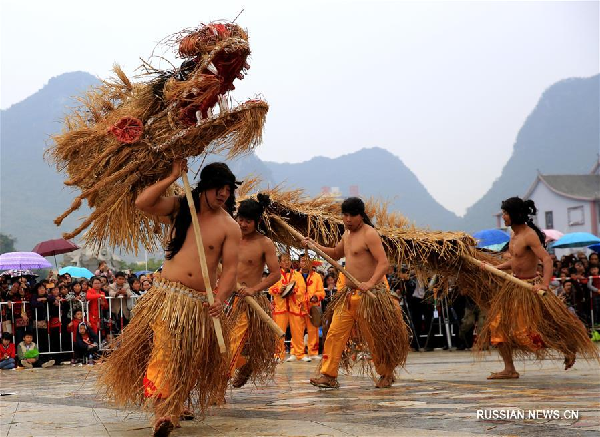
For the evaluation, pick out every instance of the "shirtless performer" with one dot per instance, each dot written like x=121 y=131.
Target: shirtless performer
x=366 y=260
x=169 y=354
x=526 y=248
x=255 y=252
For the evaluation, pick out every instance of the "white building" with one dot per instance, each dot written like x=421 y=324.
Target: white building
x=568 y=203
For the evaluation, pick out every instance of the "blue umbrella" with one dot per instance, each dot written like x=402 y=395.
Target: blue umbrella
x=76 y=272
x=142 y=272
x=595 y=247
x=575 y=239
x=489 y=237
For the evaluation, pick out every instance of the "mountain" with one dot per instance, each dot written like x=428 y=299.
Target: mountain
x=560 y=136
x=31 y=190
x=373 y=172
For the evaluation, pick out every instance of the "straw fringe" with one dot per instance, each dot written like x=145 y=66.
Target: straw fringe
x=380 y=331
x=194 y=369
x=261 y=341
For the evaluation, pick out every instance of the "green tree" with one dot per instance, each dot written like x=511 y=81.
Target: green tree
x=7 y=243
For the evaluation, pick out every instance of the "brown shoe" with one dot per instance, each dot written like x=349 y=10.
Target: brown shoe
x=385 y=381
x=325 y=381
x=242 y=376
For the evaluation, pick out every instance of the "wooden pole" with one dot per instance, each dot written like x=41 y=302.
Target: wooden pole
x=493 y=270
x=264 y=316
x=355 y=282
x=202 y=256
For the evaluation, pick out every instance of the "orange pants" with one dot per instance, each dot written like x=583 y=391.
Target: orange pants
x=297 y=326
x=154 y=385
x=237 y=339
x=343 y=320
x=313 y=337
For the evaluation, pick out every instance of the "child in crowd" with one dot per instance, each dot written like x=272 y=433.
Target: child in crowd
x=97 y=300
x=86 y=346
x=28 y=353
x=7 y=352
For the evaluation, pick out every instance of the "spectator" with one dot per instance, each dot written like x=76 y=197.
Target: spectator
x=86 y=346
x=85 y=285
x=28 y=353
x=97 y=301
x=136 y=287
x=76 y=298
x=104 y=272
x=7 y=353
x=593 y=260
x=421 y=311
x=72 y=328
x=594 y=287
x=565 y=293
x=120 y=292
x=330 y=290
x=146 y=284
x=21 y=309
x=40 y=315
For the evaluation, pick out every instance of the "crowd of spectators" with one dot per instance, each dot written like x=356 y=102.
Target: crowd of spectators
x=41 y=320
x=44 y=318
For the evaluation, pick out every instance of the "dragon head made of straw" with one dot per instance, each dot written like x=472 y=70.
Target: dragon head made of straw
x=125 y=135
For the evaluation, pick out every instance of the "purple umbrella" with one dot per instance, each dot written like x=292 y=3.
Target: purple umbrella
x=23 y=261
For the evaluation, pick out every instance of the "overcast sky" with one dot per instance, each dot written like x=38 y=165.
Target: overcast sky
x=445 y=86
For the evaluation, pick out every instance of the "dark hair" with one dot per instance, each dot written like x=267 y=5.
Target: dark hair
x=94 y=278
x=251 y=209
x=119 y=275
x=6 y=336
x=327 y=276
x=27 y=332
x=215 y=175
x=519 y=211
x=355 y=206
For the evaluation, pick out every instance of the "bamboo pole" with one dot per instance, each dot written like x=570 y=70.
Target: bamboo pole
x=493 y=270
x=355 y=282
x=202 y=256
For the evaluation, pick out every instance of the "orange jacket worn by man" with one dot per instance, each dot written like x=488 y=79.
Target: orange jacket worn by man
x=291 y=309
x=315 y=293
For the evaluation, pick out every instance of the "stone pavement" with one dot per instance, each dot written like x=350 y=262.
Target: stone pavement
x=438 y=395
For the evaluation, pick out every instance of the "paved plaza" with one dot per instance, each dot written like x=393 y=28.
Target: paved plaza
x=439 y=394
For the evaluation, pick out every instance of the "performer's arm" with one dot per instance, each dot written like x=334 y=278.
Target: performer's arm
x=152 y=201
x=540 y=252
x=336 y=252
x=506 y=265
x=229 y=259
x=274 y=271
x=375 y=246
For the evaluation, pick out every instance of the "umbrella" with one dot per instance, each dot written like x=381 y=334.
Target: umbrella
x=488 y=237
x=18 y=273
x=575 y=239
x=76 y=272
x=54 y=247
x=142 y=272
x=552 y=234
x=595 y=247
x=495 y=247
x=24 y=260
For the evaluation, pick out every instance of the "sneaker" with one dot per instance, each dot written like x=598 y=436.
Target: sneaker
x=291 y=358
x=325 y=381
x=48 y=363
x=27 y=364
x=241 y=376
x=306 y=359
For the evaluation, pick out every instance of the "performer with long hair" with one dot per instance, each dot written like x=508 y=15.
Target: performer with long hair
x=511 y=328
x=169 y=354
x=369 y=308
x=252 y=342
